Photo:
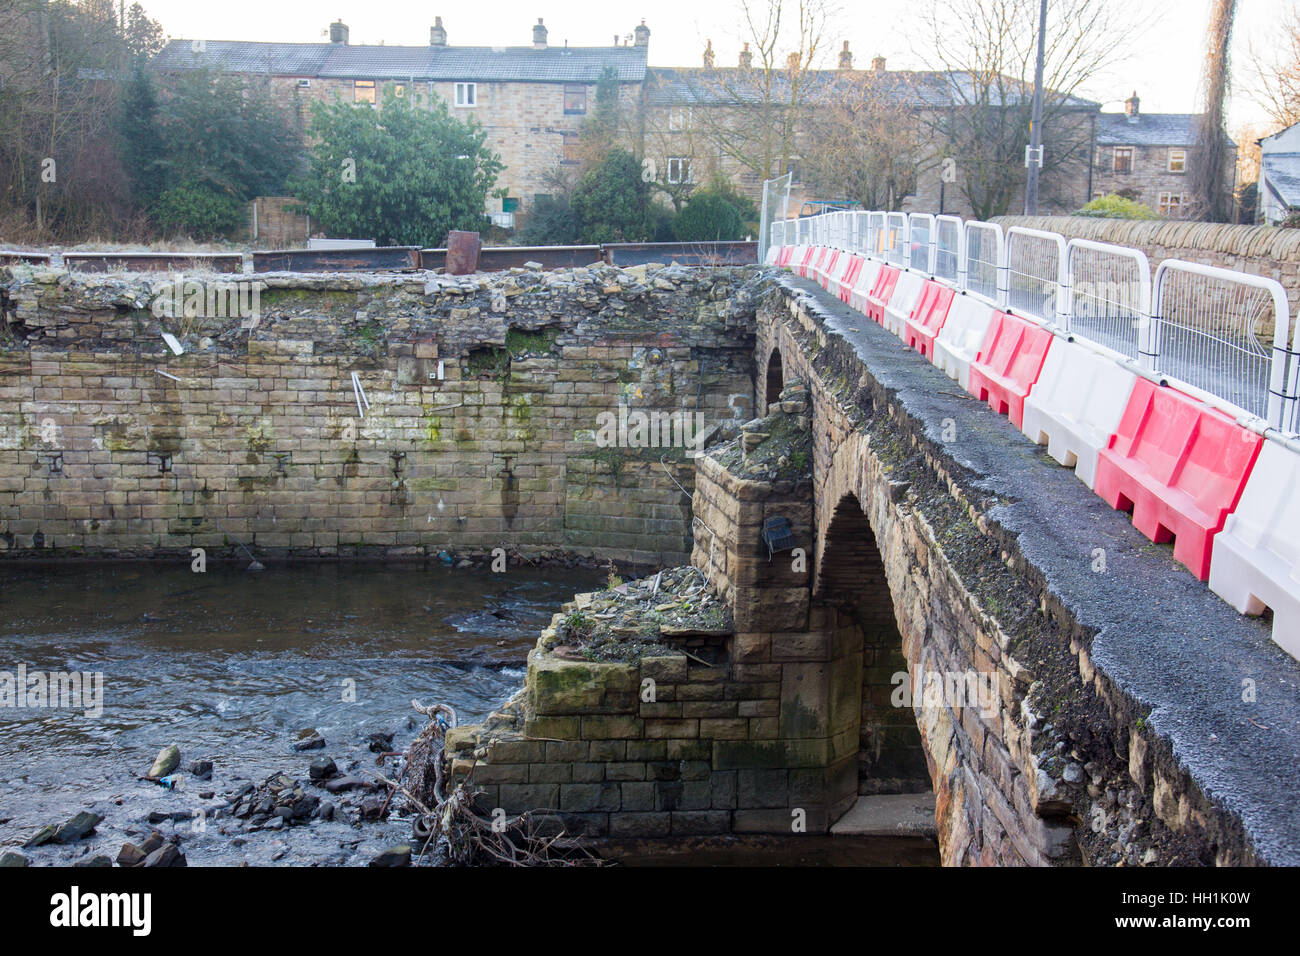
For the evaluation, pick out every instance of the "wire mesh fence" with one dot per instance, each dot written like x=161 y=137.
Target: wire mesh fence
x=1035 y=273
x=896 y=238
x=1110 y=295
x=1224 y=333
x=949 y=249
x=920 y=238
x=985 y=257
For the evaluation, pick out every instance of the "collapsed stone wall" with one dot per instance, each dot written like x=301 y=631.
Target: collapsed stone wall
x=482 y=431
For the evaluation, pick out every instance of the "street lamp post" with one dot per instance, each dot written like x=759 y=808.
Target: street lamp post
x=1034 y=153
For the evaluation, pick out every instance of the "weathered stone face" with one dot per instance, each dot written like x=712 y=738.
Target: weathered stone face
x=486 y=396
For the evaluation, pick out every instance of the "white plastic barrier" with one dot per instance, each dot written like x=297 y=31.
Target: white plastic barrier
x=866 y=281
x=772 y=253
x=1076 y=405
x=1256 y=558
x=906 y=291
x=831 y=260
x=958 y=343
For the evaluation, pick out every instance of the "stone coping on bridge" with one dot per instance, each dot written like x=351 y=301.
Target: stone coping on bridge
x=1211 y=704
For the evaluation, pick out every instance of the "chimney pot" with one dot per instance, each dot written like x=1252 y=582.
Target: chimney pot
x=1131 y=107
x=437 y=35
x=641 y=35
x=708 y=55
x=792 y=62
x=846 y=57
x=539 y=35
x=746 y=58
x=339 y=33
x=878 y=64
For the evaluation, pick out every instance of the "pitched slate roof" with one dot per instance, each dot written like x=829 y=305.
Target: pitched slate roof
x=337 y=60
x=699 y=86
x=1280 y=174
x=1151 y=129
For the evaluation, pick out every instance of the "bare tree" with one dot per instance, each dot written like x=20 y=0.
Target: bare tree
x=749 y=114
x=1278 y=86
x=860 y=140
x=1212 y=198
x=984 y=53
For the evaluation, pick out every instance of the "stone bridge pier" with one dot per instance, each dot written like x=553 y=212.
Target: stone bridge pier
x=942 y=622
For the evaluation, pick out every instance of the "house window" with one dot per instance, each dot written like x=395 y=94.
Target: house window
x=1178 y=160
x=1123 y=159
x=399 y=90
x=572 y=149
x=575 y=100
x=1171 y=204
x=679 y=118
x=467 y=94
x=679 y=169
x=363 y=91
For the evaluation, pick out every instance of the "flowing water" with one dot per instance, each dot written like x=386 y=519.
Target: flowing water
x=229 y=665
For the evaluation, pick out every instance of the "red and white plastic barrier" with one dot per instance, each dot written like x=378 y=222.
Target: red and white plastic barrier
x=1008 y=364
x=867 y=276
x=1256 y=559
x=1181 y=465
x=848 y=278
x=907 y=292
x=881 y=293
x=958 y=343
x=927 y=317
x=1077 y=405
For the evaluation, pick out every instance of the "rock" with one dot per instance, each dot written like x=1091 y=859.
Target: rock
x=344 y=784
x=380 y=743
x=325 y=811
x=44 y=836
x=374 y=807
x=10 y=858
x=1073 y=773
x=98 y=860
x=81 y=825
x=207 y=794
x=167 y=855
x=309 y=739
x=322 y=768
x=169 y=758
x=201 y=769
x=152 y=842
x=393 y=856
x=159 y=816
x=130 y=855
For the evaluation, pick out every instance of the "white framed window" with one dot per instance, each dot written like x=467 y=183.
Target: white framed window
x=679 y=169
x=679 y=118
x=1177 y=161
x=304 y=84
x=467 y=95
x=1171 y=204
x=1123 y=159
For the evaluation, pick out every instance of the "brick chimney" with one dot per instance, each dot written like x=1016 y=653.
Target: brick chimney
x=792 y=62
x=846 y=57
x=539 y=35
x=642 y=35
x=339 y=33
x=708 y=55
x=878 y=65
x=437 y=35
x=746 y=58
x=1131 y=107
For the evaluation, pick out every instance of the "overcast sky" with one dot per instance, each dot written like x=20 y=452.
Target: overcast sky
x=1163 y=57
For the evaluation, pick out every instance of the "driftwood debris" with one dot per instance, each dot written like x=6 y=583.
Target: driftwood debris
x=451 y=824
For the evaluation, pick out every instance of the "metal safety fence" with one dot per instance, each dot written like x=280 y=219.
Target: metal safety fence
x=1222 y=334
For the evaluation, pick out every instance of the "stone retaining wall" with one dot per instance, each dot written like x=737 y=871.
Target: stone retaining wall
x=481 y=432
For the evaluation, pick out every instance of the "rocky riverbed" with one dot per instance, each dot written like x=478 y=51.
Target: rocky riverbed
x=280 y=713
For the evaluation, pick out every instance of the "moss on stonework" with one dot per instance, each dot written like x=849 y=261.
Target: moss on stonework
x=521 y=342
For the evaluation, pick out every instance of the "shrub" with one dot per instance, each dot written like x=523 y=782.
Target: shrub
x=1115 y=206
x=197 y=210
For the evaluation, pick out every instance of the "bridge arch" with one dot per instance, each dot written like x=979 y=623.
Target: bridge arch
x=773 y=381
x=851 y=578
